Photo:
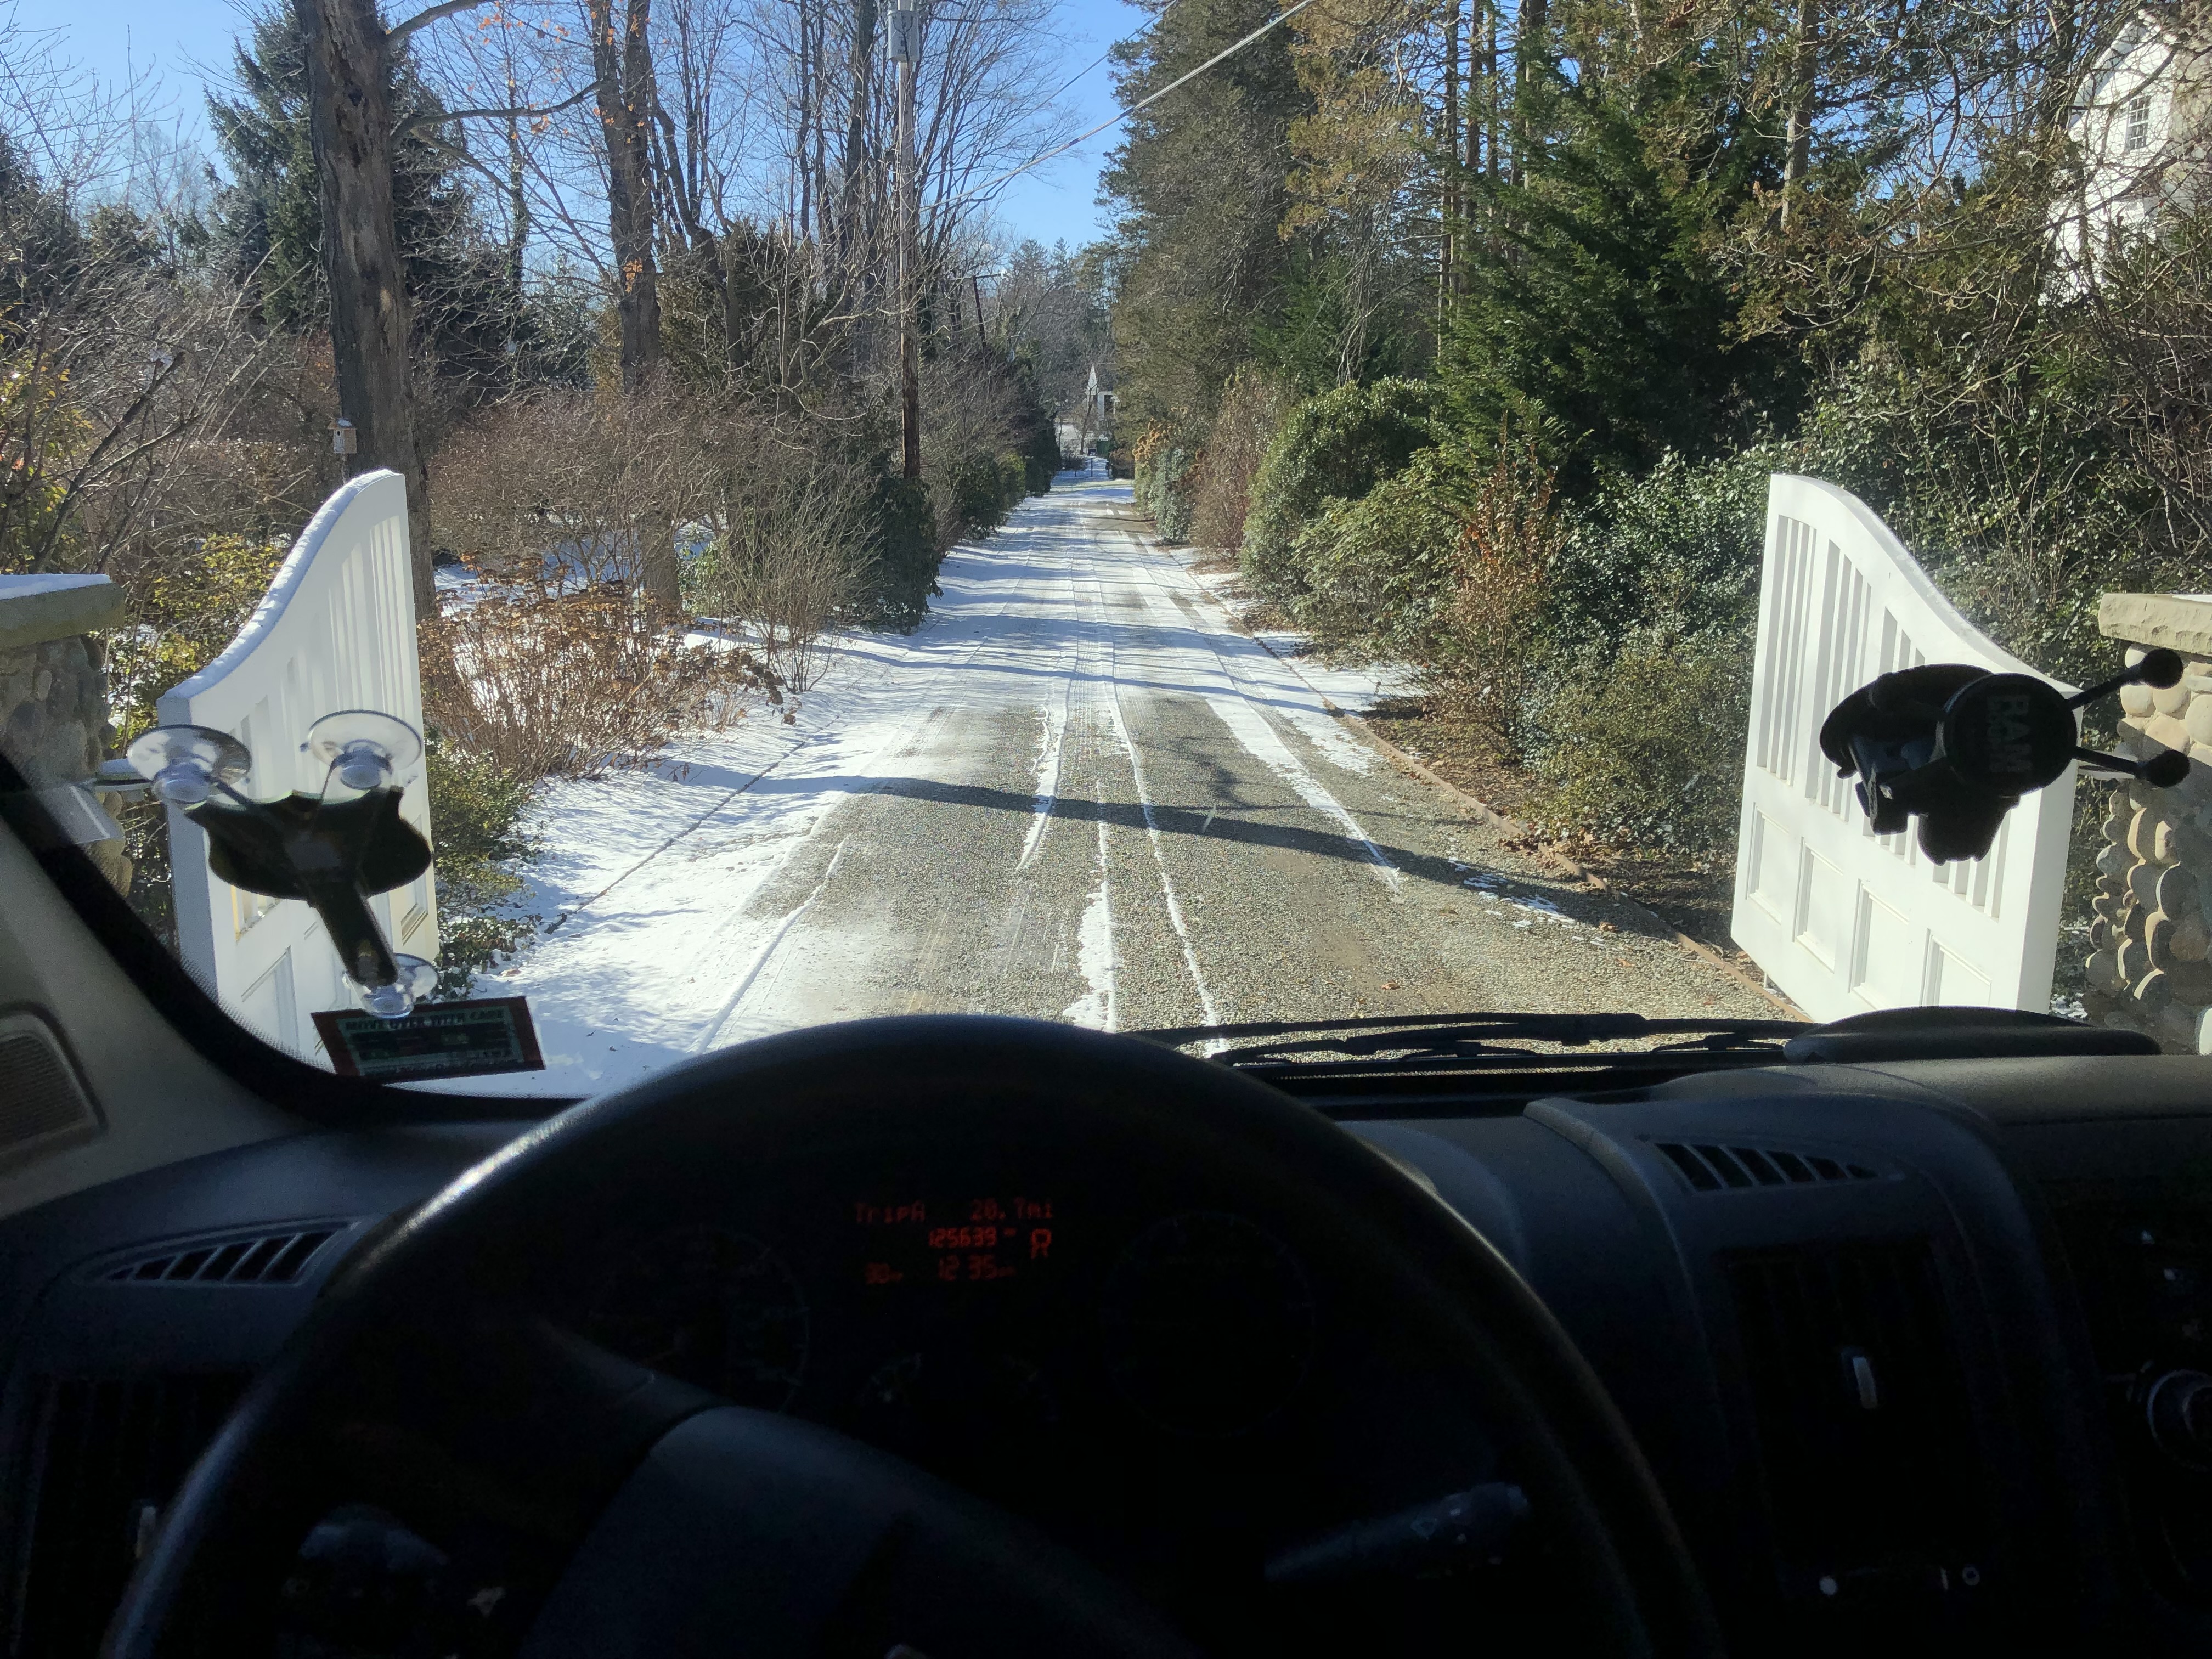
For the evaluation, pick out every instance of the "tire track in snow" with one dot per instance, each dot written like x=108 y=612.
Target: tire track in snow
x=885 y=667
x=1094 y=947
x=583 y=904
x=1113 y=701
x=1259 y=739
x=1048 y=757
x=1248 y=722
x=706 y=1040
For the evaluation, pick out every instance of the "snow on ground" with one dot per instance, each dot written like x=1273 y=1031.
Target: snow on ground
x=644 y=870
x=1354 y=686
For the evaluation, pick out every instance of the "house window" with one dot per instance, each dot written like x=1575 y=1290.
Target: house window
x=2139 y=121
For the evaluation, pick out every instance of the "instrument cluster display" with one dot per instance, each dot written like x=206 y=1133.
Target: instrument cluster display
x=955 y=1316
x=950 y=1239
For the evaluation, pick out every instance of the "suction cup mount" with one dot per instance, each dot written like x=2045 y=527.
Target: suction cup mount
x=188 y=763
x=1958 y=747
x=331 y=850
x=412 y=979
x=362 y=748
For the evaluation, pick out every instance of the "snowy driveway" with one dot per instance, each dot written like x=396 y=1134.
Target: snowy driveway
x=1076 y=792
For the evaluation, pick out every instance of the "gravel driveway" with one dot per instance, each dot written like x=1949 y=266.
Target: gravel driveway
x=1076 y=793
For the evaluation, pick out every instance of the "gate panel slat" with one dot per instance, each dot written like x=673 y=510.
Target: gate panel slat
x=1843 y=919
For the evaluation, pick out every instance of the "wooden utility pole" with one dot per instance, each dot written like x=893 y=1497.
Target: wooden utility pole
x=906 y=43
x=1447 y=249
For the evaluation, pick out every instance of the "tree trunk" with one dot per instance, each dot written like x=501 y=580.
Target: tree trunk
x=909 y=284
x=349 y=124
x=1489 y=129
x=620 y=57
x=1798 y=151
x=854 y=164
x=807 y=117
x=518 y=240
x=1529 y=58
x=1447 y=261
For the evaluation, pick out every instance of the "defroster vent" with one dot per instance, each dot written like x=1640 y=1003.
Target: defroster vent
x=271 y=1258
x=44 y=1106
x=1712 y=1169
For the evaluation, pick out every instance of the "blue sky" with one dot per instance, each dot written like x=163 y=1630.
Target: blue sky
x=182 y=38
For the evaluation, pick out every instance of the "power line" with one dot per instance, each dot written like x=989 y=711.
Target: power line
x=1080 y=74
x=1274 y=23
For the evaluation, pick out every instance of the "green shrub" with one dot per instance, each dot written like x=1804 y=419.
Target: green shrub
x=901 y=572
x=1041 y=457
x=477 y=813
x=1161 y=486
x=1013 y=481
x=1338 y=446
x=1638 y=708
x=975 y=484
x=1380 y=570
x=1677 y=551
x=1646 y=749
x=1172 y=500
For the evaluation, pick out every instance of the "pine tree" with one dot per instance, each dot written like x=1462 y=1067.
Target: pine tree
x=1596 y=311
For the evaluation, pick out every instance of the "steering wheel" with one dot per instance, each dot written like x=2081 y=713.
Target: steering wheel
x=628 y=1513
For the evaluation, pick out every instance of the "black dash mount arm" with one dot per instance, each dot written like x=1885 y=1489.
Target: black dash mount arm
x=331 y=850
x=333 y=854
x=1957 y=747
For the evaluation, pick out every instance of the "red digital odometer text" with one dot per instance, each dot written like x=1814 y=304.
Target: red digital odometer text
x=969 y=1241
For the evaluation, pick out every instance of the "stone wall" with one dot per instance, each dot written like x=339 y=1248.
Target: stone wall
x=2151 y=966
x=54 y=695
x=53 y=689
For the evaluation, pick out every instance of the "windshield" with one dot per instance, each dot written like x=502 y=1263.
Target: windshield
x=1397 y=553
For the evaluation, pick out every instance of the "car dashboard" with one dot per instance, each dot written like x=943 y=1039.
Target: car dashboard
x=1914 y=1349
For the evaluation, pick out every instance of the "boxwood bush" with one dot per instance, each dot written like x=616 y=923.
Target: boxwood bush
x=1335 y=447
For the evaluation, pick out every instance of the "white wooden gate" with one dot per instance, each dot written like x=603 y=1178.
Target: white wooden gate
x=1843 y=919
x=335 y=630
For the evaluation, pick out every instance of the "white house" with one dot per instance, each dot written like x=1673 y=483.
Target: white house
x=1095 y=420
x=2141 y=126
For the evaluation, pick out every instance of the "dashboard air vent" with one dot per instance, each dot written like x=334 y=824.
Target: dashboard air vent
x=104 y=1455
x=1866 y=1438
x=43 y=1105
x=264 y=1258
x=1711 y=1169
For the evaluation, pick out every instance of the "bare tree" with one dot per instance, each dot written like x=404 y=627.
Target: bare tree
x=762 y=130
x=115 y=359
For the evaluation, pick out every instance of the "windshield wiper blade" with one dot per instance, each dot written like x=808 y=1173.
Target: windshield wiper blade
x=1471 y=1033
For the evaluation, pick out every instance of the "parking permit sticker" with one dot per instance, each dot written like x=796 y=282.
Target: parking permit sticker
x=438 y=1039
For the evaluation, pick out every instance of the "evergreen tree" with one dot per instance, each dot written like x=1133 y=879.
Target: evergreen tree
x=1198 y=259
x=1596 y=314
x=476 y=326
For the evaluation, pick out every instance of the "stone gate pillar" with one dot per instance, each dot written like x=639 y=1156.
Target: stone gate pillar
x=2151 y=966
x=53 y=697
